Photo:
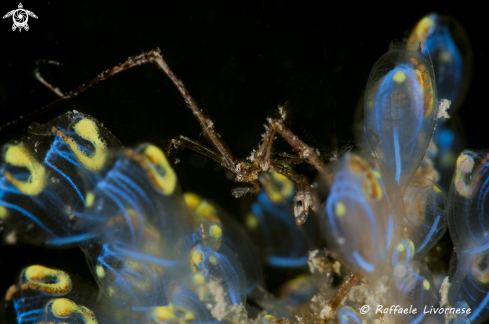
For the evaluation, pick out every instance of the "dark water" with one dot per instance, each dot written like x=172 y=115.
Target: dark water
x=238 y=59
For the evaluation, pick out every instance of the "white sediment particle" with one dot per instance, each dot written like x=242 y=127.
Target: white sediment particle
x=11 y=237
x=282 y=112
x=327 y=313
x=337 y=268
x=264 y=166
x=312 y=254
x=311 y=262
x=252 y=156
x=445 y=286
x=210 y=123
x=443 y=109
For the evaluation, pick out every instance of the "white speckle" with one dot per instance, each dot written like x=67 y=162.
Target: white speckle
x=445 y=286
x=282 y=112
x=11 y=238
x=442 y=109
x=252 y=156
x=337 y=268
x=312 y=254
x=326 y=313
x=341 y=240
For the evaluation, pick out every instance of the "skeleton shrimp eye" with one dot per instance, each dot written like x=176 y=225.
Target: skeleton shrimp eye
x=400 y=110
x=42 y=179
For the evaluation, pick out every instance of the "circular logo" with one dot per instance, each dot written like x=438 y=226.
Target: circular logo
x=364 y=309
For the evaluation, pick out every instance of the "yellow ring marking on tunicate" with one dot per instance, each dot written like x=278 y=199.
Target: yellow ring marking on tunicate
x=426 y=285
x=199 y=279
x=212 y=259
x=216 y=231
x=192 y=200
x=88 y=130
x=400 y=247
x=37 y=278
x=89 y=199
x=3 y=212
x=420 y=32
x=482 y=275
x=400 y=270
x=189 y=316
x=411 y=247
x=100 y=271
x=376 y=174
x=399 y=76
x=340 y=209
x=278 y=192
x=357 y=165
x=436 y=189
x=372 y=187
x=163 y=313
x=207 y=212
x=19 y=156
x=63 y=307
x=10 y=292
x=197 y=259
x=445 y=56
x=172 y=313
x=167 y=181
x=465 y=164
x=345 y=318
x=252 y=221
x=267 y=319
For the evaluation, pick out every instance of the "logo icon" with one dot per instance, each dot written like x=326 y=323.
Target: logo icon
x=20 y=17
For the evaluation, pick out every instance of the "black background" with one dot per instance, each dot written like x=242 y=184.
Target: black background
x=238 y=59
